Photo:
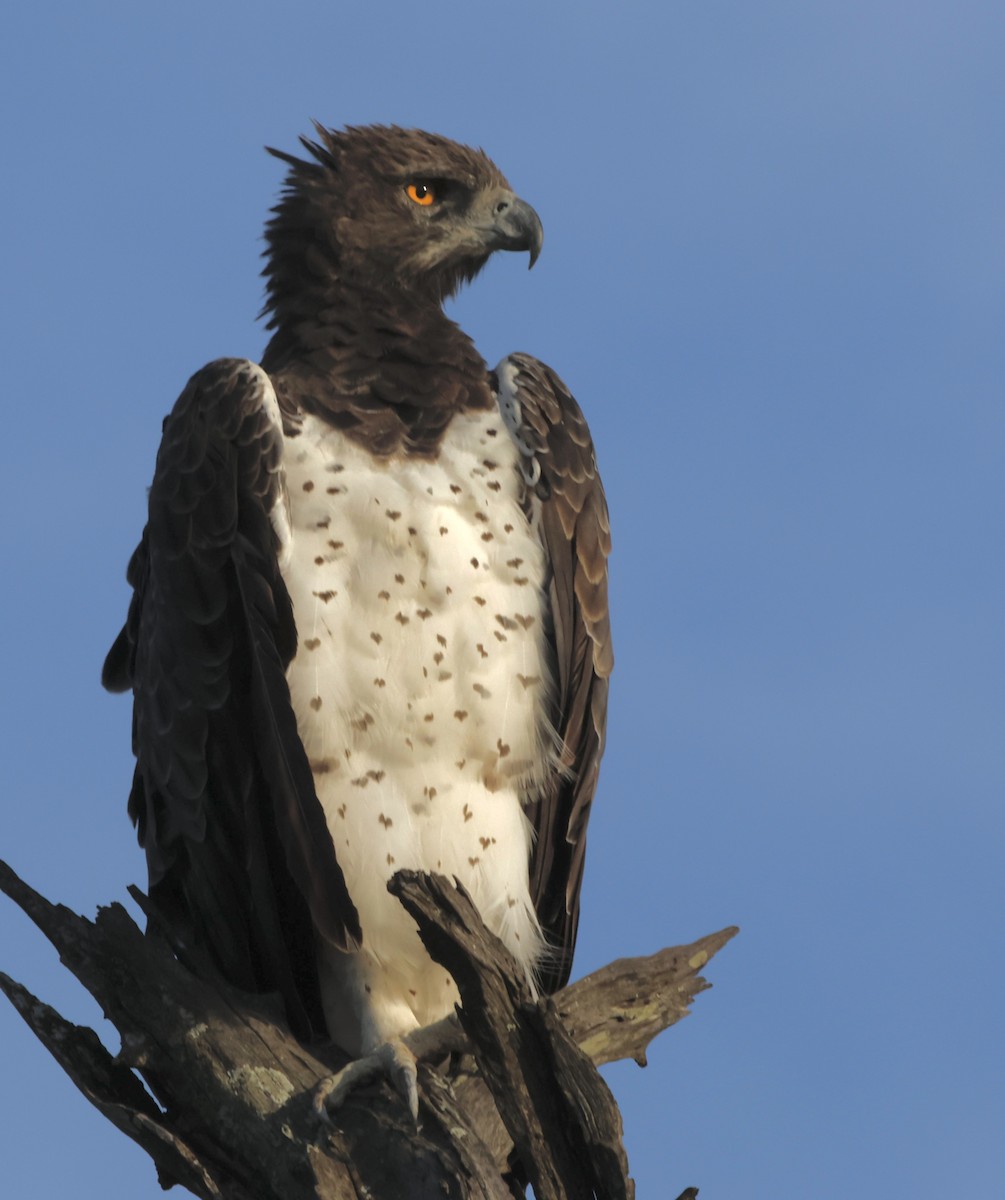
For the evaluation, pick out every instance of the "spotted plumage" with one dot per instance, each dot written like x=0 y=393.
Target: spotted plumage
x=369 y=624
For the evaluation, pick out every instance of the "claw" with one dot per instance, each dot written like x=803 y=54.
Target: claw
x=393 y=1060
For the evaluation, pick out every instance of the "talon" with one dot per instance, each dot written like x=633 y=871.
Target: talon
x=402 y=1070
x=392 y=1061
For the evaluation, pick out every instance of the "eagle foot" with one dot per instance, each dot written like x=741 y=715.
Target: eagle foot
x=393 y=1061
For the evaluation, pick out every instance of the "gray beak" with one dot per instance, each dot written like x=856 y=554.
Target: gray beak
x=515 y=226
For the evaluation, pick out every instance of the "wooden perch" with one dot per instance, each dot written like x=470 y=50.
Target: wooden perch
x=231 y=1115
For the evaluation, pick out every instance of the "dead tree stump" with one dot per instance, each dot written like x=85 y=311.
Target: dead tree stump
x=229 y=1114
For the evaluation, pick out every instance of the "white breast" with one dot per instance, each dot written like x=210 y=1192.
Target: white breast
x=420 y=686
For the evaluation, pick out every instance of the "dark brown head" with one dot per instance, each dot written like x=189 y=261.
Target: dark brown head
x=388 y=211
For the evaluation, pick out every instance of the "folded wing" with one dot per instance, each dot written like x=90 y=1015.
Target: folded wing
x=240 y=859
x=567 y=501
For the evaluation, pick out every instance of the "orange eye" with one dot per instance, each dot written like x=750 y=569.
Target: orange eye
x=421 y=193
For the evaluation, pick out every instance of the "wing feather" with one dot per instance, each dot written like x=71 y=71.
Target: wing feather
x=567 y=500
x=240 y=859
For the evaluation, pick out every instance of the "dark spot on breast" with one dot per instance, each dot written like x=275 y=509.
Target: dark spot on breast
x=324 y=597
x=316 y=703
x=499 y=637
x=312 y=643
x=487 y=537
x=392 y=516
x=429 y=717
x=482 y=690
x=456 y=488
x=375 y=637
x=474 y=563
x=318 y=560
x=424 y=613
x=468 y=814
x=323 y=524
x=383 y=595
x=383 y=683
x=399 y=579
x=505 y=622
x=443 y=676
x=527 y=681
x=482 y=651
x=335 y=545
x=494 y=485
x=443 y=530
x=514 y=563
x=401 y=618
x=502 y=748
x=323 y=766
x=460 y=714
x=525 y=621
x=387 y=822
x=480 y=601
x=309 y=485
x=473 y=862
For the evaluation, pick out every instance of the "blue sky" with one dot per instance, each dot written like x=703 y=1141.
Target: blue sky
x=773 y=275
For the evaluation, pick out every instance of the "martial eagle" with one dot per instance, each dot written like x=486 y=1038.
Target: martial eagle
x=369 y=626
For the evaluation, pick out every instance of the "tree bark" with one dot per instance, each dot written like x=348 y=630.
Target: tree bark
x=229 y=1109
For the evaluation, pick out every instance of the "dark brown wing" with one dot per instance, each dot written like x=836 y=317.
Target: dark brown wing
x=567 y=499
x=240 y=860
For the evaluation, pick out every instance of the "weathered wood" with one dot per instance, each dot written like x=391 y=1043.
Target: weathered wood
x=113 y=1089
x=615 y=1012
x=233 y=1119
x=561 y=1115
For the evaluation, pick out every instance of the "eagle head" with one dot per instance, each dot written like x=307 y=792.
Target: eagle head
x=388 y=211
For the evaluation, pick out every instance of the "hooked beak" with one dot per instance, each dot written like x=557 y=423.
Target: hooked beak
x=514 y=226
